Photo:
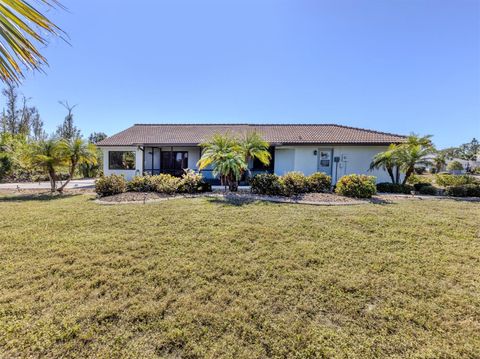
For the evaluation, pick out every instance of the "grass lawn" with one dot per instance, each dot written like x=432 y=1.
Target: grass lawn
x=205 y=278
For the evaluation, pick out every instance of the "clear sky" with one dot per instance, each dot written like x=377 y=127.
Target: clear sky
x=397 y=66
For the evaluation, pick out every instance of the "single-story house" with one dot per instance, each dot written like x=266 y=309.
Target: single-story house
x=170 y=148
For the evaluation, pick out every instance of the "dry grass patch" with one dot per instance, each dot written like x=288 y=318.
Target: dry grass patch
x=208 y=278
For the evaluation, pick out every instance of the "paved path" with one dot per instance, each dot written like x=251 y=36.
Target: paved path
x=83 y=183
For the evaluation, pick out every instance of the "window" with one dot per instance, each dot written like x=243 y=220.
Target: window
x=174 y=162
x=121 y=160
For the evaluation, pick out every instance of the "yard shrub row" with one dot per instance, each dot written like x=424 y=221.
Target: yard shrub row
x=357 y=186
x=466 y=190
x=190 y=182
x=290 y=184
x=446 y=180
x=388 y=187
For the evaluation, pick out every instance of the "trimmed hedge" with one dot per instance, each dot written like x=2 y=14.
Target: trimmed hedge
x=467 y=190
x=190 y=182
x=266 y=183
x=291 y=184
x=428 y=190
x=357 y=186
x=110 y=185
x=388 y=187
x=140 y=184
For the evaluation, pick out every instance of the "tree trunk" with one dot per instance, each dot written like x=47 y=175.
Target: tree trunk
x=70 y=176
x=407 y=175
x=397 y=175
x=390 y=173
x=52 y=176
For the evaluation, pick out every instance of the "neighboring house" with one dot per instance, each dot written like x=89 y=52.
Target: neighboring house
x=333 y=149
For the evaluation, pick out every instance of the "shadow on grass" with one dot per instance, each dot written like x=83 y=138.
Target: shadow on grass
x=43 y=197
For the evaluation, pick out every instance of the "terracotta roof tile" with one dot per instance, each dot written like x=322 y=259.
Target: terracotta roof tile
x=193 y=134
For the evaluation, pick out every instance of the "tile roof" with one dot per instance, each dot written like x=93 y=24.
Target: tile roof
x=193 y=134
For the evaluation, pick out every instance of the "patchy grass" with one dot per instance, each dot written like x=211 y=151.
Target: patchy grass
x=206 y=278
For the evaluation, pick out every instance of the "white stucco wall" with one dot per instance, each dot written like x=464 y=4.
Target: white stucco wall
x=353 y=159
x=284 y=160
x=357 y=159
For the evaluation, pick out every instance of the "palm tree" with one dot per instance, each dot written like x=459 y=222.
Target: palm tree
x=21 y=26
x=414 y=152
x=48 y=156
x=440 y=160
x=388 y=161
x=255 y=147
x=76 y=152
x=226 y=155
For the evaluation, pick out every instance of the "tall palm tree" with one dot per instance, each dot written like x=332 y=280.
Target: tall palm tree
x=388 y=161
x=21 y=26
x=48 y=156
x=76 y=152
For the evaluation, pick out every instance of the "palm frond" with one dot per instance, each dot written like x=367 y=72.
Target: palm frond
x=20 y=27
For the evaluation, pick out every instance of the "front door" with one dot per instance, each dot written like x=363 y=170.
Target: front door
x=325 y=160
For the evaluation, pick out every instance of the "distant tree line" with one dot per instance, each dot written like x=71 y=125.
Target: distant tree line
x=28 y=153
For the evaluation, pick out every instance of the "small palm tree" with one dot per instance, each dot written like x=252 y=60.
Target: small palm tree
x=440 y=160
x=47 y=156
x=255 y=147
x=76 y=152
x=225 y=154
x=388 y=161
x=414 y=152
x=21 y=26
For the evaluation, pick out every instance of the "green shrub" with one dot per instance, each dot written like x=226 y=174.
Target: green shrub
x=110 y=185
x=387 y=187
x=413 y=179
x=266 y=183
x=293 y=183
x=140 y=184
x=357 y=186
x=319 y=182
x=455 y=166
x=165 y=183
x=419 y=185
x=466 y=190
x=192 y=182
x=446 y=180
x=428 y=190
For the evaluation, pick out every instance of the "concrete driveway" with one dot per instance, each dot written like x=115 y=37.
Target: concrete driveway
x=83 y=183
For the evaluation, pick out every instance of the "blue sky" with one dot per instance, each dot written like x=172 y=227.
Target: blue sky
x=397 y=66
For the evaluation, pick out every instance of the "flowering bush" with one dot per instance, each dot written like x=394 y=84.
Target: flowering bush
x=192 y=182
